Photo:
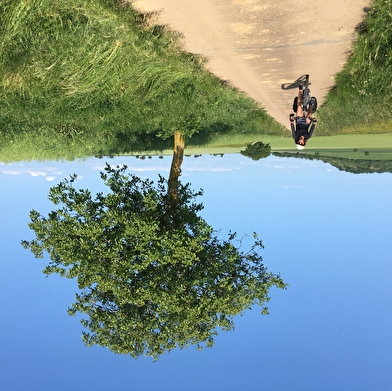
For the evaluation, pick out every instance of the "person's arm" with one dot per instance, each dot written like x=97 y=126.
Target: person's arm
x=312 y=126
x=292 y=121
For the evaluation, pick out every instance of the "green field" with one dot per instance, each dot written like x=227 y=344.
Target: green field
x=356 y=146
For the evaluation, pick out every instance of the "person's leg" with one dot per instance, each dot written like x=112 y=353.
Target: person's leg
x=309 y=113
x=300 y=112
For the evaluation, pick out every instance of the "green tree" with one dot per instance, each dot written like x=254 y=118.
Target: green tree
x=257 y=150
x=152 y=274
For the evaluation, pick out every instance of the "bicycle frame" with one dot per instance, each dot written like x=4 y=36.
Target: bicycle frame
x=307 y=100
x=306 y=95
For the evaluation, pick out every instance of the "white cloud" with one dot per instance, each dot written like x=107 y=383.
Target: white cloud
x=152 y=168
x=11 y=172
x=49 y=173
x=37 y=173
x=212 y=169
x=55 y=172
x=97 y=168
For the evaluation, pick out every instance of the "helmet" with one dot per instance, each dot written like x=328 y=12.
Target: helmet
x=300 y=147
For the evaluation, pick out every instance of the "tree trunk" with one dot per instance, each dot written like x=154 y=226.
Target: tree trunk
x=171 y=215
x=175 y=170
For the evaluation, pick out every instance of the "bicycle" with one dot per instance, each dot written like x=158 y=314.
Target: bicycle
x=302 y=123
x=307 y=99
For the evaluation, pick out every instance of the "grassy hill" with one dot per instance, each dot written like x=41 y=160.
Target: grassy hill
x=361 y=101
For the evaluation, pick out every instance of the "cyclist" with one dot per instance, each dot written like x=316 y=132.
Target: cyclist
x=302 y=126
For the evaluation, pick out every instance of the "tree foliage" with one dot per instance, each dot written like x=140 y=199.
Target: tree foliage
x=152 y=274
x=257 y=150
x=354 y=166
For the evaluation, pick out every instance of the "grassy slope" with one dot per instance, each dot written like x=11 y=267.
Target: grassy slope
x=361 y=101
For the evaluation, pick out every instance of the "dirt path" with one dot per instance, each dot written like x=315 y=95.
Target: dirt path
x=258 y=45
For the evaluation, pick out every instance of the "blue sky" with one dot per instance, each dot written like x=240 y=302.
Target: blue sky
x=327 y=232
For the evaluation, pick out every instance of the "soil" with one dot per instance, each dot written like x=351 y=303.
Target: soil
x=262 y=47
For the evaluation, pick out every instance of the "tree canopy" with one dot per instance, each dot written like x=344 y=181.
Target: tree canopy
x=152 y=274
x=257 y=150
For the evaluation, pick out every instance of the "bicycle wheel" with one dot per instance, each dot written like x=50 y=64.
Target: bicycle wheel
x=305 y=100
x=295 y=104
x=306 y=95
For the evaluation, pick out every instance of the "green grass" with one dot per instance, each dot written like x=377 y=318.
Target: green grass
x=361 y=100
x=383 y=127
x=354 y=146
x=346 y=141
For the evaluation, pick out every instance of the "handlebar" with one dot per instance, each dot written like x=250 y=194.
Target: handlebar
x=293 y=117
